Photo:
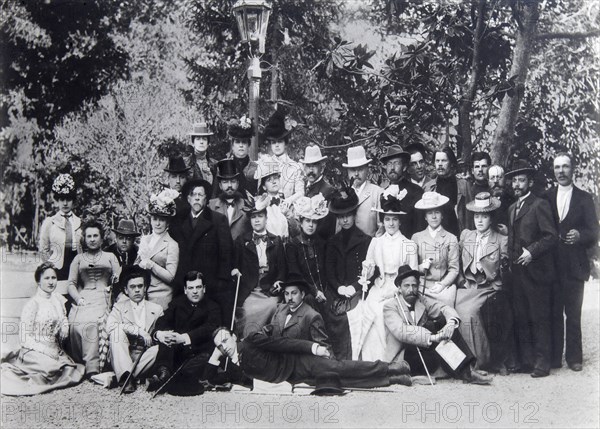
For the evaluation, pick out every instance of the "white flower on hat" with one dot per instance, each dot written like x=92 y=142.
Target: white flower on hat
x=394 y=191
x=311 y=208
x=245 y=122
x=63 y=184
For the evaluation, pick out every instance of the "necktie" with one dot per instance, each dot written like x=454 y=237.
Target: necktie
x=257 y=238
x=518 y=209
x=275 y=201
x=68 y=233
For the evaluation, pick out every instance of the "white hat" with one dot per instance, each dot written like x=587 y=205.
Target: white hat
x=356 y=157
x=266 y=166
x=311 y=208
x=431 y=200
x=312 y=154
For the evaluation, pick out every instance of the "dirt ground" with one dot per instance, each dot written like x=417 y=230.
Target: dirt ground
x=565 y=399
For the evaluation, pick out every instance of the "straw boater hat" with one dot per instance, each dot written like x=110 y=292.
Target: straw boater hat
x=395 y=151
x=64 y=187
x=344 y=201
x=483 y=203
x=312 y=155
x=391 y=201
x=200 y=129
x=431 y=200
x=176 y=165
x=241 y=129
x=266 y=166
x=254 y=205
x=278 y=128
x=163 y=204
x=227 y=169
x=520 y=166
x=356 y=157
x=126 y=227
x=314 y=208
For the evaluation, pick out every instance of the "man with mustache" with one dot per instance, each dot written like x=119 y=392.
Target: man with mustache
x=577 y=223
x=230 y=201
x=496 y=184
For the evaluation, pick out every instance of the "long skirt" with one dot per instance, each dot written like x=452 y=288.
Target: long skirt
x=446 y=296
x=29 y=372
x=258 y=309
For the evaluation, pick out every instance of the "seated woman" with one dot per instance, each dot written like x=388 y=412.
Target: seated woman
x=259 y=259
x=482 y=306
x=41 y=365
x=387 y=253
x=438 y=251
x=306 y=252
x=92 y=275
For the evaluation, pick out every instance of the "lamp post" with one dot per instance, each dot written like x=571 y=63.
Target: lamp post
x=252 y=18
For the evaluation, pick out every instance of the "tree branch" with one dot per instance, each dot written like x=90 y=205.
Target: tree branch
x=567 y=35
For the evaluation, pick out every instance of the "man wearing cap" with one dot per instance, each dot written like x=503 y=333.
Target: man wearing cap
x=277 y=133
x=230 y=201
x=368 y=193
x=396 y=162
x=178 y=175
x=412 y=320
x=240 y=132
x=575 y=217
x=531 y=237
x=417 y=167
x=202 y=164
x=498 y=190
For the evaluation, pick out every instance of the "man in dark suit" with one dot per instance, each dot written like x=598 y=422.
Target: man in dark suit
x=205 y=245
x=124 y=247
x=531 y=238
x=577 y=223
x=184 y=334
x=177 y=176
x=230 y=201
x=496 y=183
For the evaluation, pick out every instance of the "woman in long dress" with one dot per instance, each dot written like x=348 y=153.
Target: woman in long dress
x=41 y=364
x=480 y=301
x=91 y=277
x=387 y=253
x=438 y=251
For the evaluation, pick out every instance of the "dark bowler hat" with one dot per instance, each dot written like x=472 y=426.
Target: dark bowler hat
x=295 y=279
x=520 y=166
x=177 y=165
x=344 y=201
x=126 y=227
x=190 y=185
x=227 y=169
x=406 y=271
x=328 y=384
x=396 y=151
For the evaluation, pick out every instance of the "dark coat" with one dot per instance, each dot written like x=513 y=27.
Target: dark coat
x=207 y=248
x=131 y=254
x=534 y=230
x=246 y=261
x=573 y=259
x=343 y=265
x=305 y=324
x=240 y=223
x=327 y=225
x=308 y=260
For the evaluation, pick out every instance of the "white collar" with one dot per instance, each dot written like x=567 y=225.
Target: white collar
x=434 y=232
x=158 y=236
x=284 y=158
x=196 y=216
x=361 y=188
x=421 y=183
x=260 y=233
x=524 y=197
x=565 y=189
x=296 y=309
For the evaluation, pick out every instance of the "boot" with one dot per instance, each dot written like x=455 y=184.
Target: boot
x=158 y=379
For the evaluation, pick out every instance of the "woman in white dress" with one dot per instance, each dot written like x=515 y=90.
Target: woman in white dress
x=386 y=254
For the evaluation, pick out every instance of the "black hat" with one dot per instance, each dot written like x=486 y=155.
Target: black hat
x=227 y=169
x=328 y=384
x=396 y=151
x=295 y=279
x=127 y=227
x=344 y=201
x=190 y=185
x=275 y=128
x=186 y=386
x=406 y=271
x=520 y=166
x=241 y=129
x=177 y=165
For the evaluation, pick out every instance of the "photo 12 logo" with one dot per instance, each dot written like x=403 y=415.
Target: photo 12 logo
x=469 y=412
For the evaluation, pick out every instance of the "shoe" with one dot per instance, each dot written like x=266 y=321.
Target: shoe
x=123 y=378
x=556 y=365
x=404 y=380
x=130 y=386
x=576 y=367
x=538 y=373
x=89 y=375
x=476 y=377
x=158 y=379
x=398 y=368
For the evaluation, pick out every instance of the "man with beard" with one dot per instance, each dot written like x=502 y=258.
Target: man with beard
x=499 y=191
x=230 y=201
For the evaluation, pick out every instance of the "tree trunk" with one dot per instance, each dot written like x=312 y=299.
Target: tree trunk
x=527 y=15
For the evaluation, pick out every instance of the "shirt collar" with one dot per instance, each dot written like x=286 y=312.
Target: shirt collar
x=296 y=309
x=196 y=216
x=360 y=188
x=524 y=197
x=435 y=231
x=567 y=188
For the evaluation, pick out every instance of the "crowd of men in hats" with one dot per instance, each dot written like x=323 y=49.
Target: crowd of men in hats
x=264 y=270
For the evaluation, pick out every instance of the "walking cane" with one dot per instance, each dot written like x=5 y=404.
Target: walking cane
x=172 y=376
x=418 y=349
x=135 y=364
x=237 y=290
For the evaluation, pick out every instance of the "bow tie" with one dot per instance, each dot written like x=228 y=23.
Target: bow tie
x=275 y=201
x=257 y=238
x=66 y=215
x=230 y=204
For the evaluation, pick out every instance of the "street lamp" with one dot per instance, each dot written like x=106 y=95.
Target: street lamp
x=252 y=18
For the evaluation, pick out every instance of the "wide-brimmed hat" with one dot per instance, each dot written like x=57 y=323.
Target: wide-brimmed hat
x=344 y=201
x=312 y=154
x=483 y=203
x=396 y=151
x=390 y=201
x=126 y=227
x=520 y=166
x=278 y=128
x=190 y=185
x=406 y=271
x=201 y=129
x=295 y=279
x=257 y=204
x=64 y=186
x=328 y=384
x=357 y=157
x=227 y=169
x=241 y=129
x=431 y=200
x=163 y=204
x=266 y=166
x=176 y=165
x=314 y=208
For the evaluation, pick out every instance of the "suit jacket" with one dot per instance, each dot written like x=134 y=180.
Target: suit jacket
x=246 y=179
x=405 y=333
x=197 y=172
x=327 y=225
x=343 y=264
x=366 y=218
x=121 y=317
x=308 y=260
x=445 y=253
x=573 y=258
x=207 y=248
x=413 y=220
x=533 y=229
x=246 y=261
x=198 y=322
x=166 y=256
x=305 y=324
x=53 y=236
x=496 y=249
x=240 y=223
x=131 y=254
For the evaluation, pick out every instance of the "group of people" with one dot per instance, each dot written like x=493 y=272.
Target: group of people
x=268 y=266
